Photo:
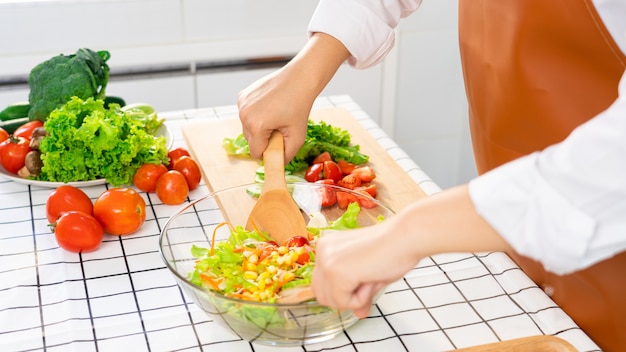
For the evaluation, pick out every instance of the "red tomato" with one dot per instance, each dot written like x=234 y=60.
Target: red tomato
x=350 y=181
x=4 y=135
x=190 y=169
x=365 y=173
x=26 y=130
x=120 y=211
x=332 y=171
x=345 y=166
x=146 y=176
x=328 y=194
x=314 y=172
x=77 y=232
x=370 y=189
x=325 y=156
x=296 y=241
x=172 y=188
x=13 y=153
x=176 y=153
x=344 y=199
x=303 y=258
x=66 y=198
x=365 y=201
x=267 y=249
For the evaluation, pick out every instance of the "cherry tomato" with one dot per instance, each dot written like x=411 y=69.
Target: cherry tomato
x=4 y=135
x=176 y=153
x=332 y=171
x=314 y=172
x=120 y=211
x=303 y=258
x=325 y=156
x=146 y=176
x=77 y=232
x=345 y=166
x=26 y=130
x=365 y=173
x=13 y=153
x=328 y=194
x=172 y=188
x=296 y=241
x=66 y=198
x=190 y=169
x=350 y=181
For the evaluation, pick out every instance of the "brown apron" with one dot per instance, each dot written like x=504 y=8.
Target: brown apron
x=534 y=70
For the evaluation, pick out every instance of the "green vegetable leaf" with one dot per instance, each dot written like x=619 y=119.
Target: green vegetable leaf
x=85 y=142
x=347 y=220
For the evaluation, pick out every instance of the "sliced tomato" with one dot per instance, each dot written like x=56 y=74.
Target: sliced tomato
x=332 y=171
x=314 y=172
x=346 y=166
x=350 y=181
x=365 y=173
x=365 y=201
x=328 y=194
x=344 y=199
x=325 y=156
x=369 y=189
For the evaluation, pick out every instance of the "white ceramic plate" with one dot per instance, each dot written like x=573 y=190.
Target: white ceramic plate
x=163 y=131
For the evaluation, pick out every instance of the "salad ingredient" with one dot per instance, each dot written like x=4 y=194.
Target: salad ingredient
x=85 y=141
x=37 y=136
x=328 y=195
x=350 y=181
x=190 y=169
x=15 y=111
x=176 y=153
x=78 y=232
x=33 y=163
x=13 y=153
x=147 y=175
x=248 y=267
x=120 y=211
x=11 y=125
x=53 y=82
x=320 y=137
x=67 y=198
x=172 y=188
x=26 y=130
x=4 y=135
x=365 y=173
x=314 y=172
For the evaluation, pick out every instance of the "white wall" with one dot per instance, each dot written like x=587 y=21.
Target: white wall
x=416 y=94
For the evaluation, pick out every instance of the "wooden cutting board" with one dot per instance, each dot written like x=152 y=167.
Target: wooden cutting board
x=541 y=343
x=204 y=140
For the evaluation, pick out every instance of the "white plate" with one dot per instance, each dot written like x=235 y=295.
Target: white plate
x=162 y=131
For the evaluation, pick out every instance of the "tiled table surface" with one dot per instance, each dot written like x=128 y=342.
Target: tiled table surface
x=122 y=298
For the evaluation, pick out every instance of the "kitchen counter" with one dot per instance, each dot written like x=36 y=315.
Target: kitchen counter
x=121 y=297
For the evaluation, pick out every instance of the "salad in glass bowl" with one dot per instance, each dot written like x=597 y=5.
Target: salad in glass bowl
x=238 y=276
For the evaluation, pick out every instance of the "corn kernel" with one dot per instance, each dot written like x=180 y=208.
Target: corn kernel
x=289 y=276
x=282 y=249
x=280 y=260
x=271 y=269
x=254 y=258
x=251 y=266
x=250 y=275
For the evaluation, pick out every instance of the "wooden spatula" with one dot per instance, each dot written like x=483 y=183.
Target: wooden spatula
x=276 y=212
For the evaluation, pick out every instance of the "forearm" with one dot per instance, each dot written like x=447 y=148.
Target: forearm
x=317 y=62
x=444 y=223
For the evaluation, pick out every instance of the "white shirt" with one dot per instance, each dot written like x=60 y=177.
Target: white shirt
x=564 y=206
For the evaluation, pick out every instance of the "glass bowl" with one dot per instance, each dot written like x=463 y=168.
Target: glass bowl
x=258 y=322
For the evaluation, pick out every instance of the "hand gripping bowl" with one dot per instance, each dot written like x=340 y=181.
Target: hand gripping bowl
x=264 y=323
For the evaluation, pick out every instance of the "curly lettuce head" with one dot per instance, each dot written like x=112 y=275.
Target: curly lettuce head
x=85 y=142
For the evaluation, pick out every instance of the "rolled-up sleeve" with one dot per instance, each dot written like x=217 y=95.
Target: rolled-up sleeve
x=566 y=205
x=365 y=27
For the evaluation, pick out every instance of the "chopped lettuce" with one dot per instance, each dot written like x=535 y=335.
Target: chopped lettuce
x=86 y=141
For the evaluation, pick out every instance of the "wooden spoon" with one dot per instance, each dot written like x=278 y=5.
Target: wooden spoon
x=276 y=212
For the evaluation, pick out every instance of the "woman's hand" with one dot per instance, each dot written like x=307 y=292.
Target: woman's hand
x=282 y=100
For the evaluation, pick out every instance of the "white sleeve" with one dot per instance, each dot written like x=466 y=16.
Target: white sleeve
x=564 y=206
x=365 y=27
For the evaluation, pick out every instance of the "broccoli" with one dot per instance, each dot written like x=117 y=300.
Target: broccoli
x=53 y=82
